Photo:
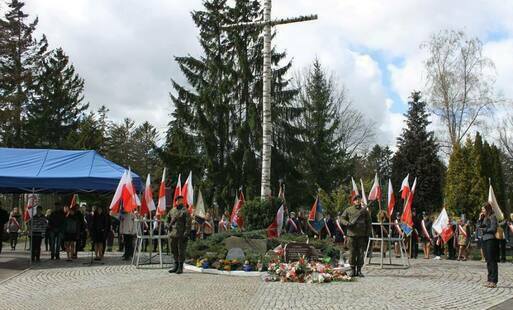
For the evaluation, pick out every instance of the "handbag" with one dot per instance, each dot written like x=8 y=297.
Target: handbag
x=499 y=234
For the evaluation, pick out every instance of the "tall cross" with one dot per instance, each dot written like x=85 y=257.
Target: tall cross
x=265 y=189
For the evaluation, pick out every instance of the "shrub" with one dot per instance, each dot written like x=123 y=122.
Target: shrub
x=259 y=214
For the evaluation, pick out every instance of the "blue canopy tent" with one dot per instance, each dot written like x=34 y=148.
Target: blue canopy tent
x=58 y=171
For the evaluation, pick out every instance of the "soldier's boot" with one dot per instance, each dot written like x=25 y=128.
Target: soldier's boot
x=175 y=268
x=353 y=272
x=180 y=268
x=359 y=272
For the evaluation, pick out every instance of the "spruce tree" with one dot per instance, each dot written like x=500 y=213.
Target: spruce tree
x=379 y=160
x=57 y=108
x=417 y=154
x=319 y=103
x=20 y=56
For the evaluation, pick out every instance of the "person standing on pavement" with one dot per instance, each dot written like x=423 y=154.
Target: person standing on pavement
x=127 y=230
x=71 y=231
x=4 y=218
x=488 y=223
x=38 y=225
x=357 y=219
x=180 y=229
x=56 y=230
x=14 y=227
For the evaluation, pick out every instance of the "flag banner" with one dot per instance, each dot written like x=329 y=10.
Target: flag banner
x=375 y=192
x=236 y=219
x=315 y=217
x=390 y=200
x=147 y=203
x=178 y=189
x=188 y=191
x=406 y=229
x=407 y=216
x=354 y=191
x=116 y=200
x=30 y=208
x=364 y=198
x=405 y=187
x=274 y=230
x=161 y=205
x=495 y=206
x=199 y=211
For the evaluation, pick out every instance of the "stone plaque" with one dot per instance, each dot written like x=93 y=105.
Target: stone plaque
x=235 y=253
x=294 y=251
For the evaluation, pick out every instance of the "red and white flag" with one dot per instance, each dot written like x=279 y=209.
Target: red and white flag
x=30 y=209
x=178 y=189
x=390 y=199
x=354 y=191
x=188 y=191
x=375 y=192
x=442 y=226
x=118 y=194
x=364 y=198
x=147 y=204
x=129 y=195
x=236 y=219
x=161 y=206
x=407 y=216
x=405 y=188
x=274 y=230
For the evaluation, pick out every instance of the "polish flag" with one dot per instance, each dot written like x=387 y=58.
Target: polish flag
x=116 y=200
x=129 y=195
x=274 y=230
x=364 y=198
x=354 y=192
x=405 y=187
x=147 y=204
x=178 y=189
x=442 y=226
x=407 y=217
x=30 y=209
x=74 y=201
x=375 y=192
x=188 y=192
x=391 y=199
x=236 y=217
x=161 y=206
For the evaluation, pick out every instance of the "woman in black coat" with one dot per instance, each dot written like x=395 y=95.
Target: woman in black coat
x=99 y=230
x=488 y=223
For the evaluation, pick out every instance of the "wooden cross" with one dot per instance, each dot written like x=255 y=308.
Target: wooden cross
x=265 y=190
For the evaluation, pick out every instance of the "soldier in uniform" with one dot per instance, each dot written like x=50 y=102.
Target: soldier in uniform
x=180 y=230
x=357 y=219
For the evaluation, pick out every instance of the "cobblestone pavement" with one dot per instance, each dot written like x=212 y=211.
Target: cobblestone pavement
x=426 y=285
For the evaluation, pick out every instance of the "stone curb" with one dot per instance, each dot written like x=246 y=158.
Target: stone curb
x=235 y=273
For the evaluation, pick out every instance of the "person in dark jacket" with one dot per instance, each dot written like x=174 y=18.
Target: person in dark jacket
x=4 y=218
x=293 y=226
x=99 y=229
x=71 y=232
x=56 y=230
x=488 y=223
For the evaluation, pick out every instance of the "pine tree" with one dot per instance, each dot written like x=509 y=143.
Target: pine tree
x=20 y=56
x=58 y=107
x=417 y=154
x=145 y=140
x=379 y=161
x=319 y=103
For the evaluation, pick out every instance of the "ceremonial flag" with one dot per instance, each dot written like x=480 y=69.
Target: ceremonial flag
x=364 y=198
x=236 y=218
x=200 y=207
x=407 y=217
x=354 y=191
x=129 y=195
x=375 y=192
x=147 y=204
x=274 y=230
x=74 y=201
x=178 y=189
x=188 y=191
x=390 y=200
x=405 y=187
x=495 y=206
x=116 y=200
x=30 y=209
x=442 y=227
x=161 y=206
x=315 y=216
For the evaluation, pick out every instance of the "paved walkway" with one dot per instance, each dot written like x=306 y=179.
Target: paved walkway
x=427 y=284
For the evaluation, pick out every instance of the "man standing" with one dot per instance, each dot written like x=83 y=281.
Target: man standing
x=56 y=230
x=180 y=230
x=127 y=230
x=357 y=219
x=4 y=218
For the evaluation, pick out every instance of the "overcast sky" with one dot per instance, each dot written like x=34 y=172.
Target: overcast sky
x=124 y=48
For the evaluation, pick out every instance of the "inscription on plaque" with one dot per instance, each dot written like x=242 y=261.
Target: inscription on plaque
x=294 y=251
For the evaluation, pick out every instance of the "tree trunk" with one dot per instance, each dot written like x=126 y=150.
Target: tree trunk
x=267 y=125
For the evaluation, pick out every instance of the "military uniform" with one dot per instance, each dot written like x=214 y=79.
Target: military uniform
x=359 y=225
x=180 y=230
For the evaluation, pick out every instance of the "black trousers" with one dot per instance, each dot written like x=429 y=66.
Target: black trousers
x=502 y=250
x=451 y=249
x=128 y=241
x=491 y=252
x=414 y=245
x=36 y=247
x=13 y=237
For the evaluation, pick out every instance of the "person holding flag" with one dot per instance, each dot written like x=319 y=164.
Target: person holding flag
x=315 y=219
x=357 y=219
x=425 y=234
x=488 y=223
